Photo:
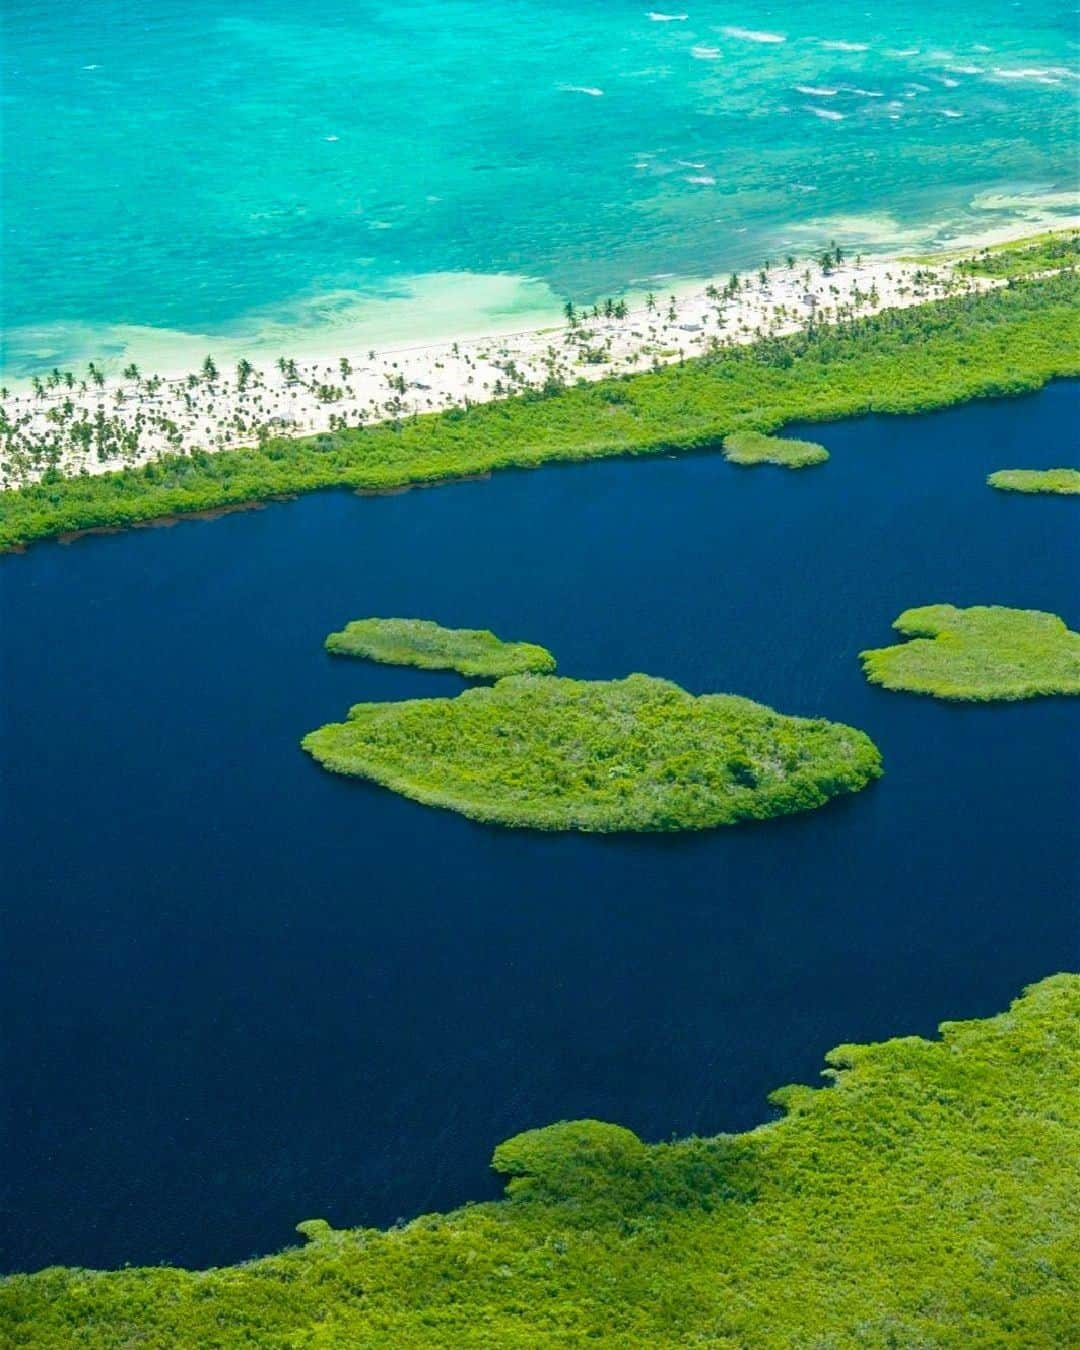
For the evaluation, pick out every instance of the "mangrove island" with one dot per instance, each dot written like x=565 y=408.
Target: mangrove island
x=978 y=655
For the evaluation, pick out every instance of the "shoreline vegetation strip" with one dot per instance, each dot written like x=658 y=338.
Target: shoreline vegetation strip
x=927 y=1197
x=1007 y=341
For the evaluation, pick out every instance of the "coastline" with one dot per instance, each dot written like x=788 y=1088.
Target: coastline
x=136 y=417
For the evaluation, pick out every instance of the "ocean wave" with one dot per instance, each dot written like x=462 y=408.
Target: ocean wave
x=581 y=89
x=950 y=112
x=752 y=34
x=666 y=18
x=949 y=84
x=965 y=70
x=862 y=93
x=816 y=91
x=704 y=179
x=906 y=51
x=841 y=45
x=706 y=53
x=827 y=113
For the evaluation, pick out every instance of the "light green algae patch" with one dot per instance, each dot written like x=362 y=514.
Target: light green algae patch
x=982 y=654
x=753 y=447
x=631 y=754
x=1062 y=482
x=473 y=652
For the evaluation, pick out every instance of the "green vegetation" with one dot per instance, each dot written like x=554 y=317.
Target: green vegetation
x=632 y=754
x=926 y=1199
x=1062 y=482
x=753 y=447
x=1021 y=257
x=979 y=655
x=1008 y=341
x=473 y=652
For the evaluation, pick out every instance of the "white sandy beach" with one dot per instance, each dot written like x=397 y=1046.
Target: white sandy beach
x=79 y=422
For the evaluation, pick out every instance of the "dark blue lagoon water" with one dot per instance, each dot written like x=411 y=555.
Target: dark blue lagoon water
x=238 y=992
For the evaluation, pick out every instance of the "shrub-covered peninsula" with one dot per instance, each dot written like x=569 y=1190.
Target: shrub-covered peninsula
x=1006 y=341
x=632 y=754
x=981 y=654
x=1062 y=482
x=927 y=1198
x=1022 y=257
x=473 y=652
x=753 y=447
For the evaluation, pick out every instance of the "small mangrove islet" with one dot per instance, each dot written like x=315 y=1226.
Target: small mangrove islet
x=983 y=654
x=754 y=447
x=1059 y=482
x=473 y=652
x=639 y=753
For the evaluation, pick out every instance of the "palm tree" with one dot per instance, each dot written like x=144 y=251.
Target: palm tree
x=570 y=313
x=650 y=302
x=132 y=372
x=209 y=370
x=244 y=372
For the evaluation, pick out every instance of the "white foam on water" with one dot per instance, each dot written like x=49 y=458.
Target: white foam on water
x=667 y=18
x=591 y=90
x=688 y=164
x=706 y=53
x=899 y=55
x=841 y=45
x=331 y=138
x=950 y=112
x=752 y=34
x=704 y=179
x=816 y=90
x=863 y=93
x=949 y=84
x=965 y=70
x=1039 y=74
x=826 y=113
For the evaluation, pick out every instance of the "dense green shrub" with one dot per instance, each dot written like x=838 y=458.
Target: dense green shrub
x=926 y=1199
x=1021 y=257
x=1008 y=341
x=980 y=654
x=473 y=652
x=632 y=754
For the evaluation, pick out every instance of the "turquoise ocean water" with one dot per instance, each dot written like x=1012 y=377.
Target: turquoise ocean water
x=258 y=174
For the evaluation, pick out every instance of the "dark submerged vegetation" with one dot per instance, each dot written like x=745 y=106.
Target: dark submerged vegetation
x=1007 y=341
x=632 y=754
x=927 y=1198
x=982 y=654
x=473 y=652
